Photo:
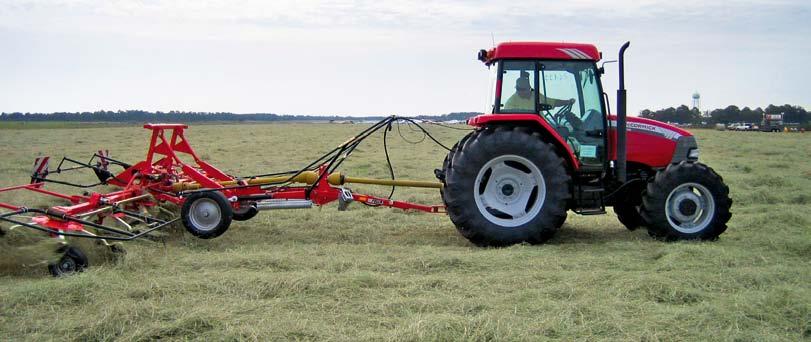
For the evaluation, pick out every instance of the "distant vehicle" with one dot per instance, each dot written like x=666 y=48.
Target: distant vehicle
x=741 y=127
x=772 y=123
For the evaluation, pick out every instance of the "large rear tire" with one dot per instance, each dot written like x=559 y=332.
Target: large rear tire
x=686 y=201
x=505 y=186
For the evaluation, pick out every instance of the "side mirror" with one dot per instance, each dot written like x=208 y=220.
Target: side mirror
x=482 y=56
x=602 y=66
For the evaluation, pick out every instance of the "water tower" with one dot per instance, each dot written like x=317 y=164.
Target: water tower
x=697 y=101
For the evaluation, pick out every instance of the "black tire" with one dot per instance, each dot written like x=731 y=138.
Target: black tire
x=206 y=214
x=628 y=214
x=244 y=214
x=72 y=261
x=460 y=191
x=685 y=180
x=446 y=164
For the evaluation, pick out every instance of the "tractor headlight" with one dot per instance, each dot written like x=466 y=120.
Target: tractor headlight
x=693 y=154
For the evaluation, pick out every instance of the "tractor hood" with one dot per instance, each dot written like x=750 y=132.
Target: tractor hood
x=655 y=143
x=654 y=127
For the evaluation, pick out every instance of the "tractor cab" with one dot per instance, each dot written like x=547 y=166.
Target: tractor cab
x=559 y=83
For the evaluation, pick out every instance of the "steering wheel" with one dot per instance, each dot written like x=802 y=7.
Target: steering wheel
x=565 y=112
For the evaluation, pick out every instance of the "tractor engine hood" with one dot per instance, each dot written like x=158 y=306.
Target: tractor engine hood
x=655 y=143
x=665 y=130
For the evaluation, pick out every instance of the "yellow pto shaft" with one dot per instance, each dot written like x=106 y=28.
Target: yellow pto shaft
x=309 y=177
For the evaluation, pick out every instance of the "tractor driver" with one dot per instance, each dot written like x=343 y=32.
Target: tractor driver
x=524 y=97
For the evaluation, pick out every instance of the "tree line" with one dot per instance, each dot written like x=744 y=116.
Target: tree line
x=179 y=116
x=681 y=114
x=684 y=115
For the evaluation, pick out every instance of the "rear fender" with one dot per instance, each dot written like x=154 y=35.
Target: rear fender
x=537 y=123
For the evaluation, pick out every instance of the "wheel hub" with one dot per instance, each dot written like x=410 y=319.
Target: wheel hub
x=67 y=265
x=509 y=190
x=690 y=208
x=205 y=214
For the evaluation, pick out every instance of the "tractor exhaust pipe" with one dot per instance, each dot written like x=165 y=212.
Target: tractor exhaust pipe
x=621 y=119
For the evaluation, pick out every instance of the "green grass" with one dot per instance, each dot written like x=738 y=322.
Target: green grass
x=382 y=274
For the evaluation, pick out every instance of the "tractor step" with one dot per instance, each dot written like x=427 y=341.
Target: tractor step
x=590 y=199
x=590 y=211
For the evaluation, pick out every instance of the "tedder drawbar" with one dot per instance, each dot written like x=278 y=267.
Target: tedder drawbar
x=547 y=145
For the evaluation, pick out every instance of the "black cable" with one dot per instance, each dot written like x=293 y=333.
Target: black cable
x=450 y=127
x=337 y=156
x=426 y=133
x=413 y=130
x=386 y=151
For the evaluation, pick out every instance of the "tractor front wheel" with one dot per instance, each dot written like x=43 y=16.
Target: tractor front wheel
x=504 y=186
x=686 y=201
x=206 y=214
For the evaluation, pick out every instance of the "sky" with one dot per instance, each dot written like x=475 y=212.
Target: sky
x=402 y=57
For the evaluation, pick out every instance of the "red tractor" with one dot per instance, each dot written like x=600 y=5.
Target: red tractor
x=549 y=144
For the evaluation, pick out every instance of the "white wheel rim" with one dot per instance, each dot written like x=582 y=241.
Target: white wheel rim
x=690 y=208
x=205 y=214
x=509 y=190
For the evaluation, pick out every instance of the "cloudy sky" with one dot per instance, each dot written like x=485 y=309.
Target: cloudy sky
x=383 y=57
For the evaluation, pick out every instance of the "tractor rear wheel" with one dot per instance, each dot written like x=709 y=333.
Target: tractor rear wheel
x=686 y=201
x=206 y=214
x=505 y=186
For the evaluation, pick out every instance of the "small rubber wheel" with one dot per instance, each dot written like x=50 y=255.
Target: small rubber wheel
x=71 y=262
x=244 y=213
x=206 y=214
x=686 y=201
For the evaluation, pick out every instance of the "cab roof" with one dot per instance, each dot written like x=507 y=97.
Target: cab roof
x=540 y=50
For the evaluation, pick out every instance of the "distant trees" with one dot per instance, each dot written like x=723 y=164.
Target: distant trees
x=681 y=114
x=178 y=116
x=730 y=114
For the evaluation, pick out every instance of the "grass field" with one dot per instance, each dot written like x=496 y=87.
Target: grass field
x=381 y=274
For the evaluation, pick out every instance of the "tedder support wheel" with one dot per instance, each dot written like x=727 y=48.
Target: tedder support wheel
x=244 y=213
x=206 y=214
x=71 y=262
x=504 y=185
x=686 y=201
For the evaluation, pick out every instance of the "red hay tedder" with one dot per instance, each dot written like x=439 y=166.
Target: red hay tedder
x=208 y=198
x=547 y=145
